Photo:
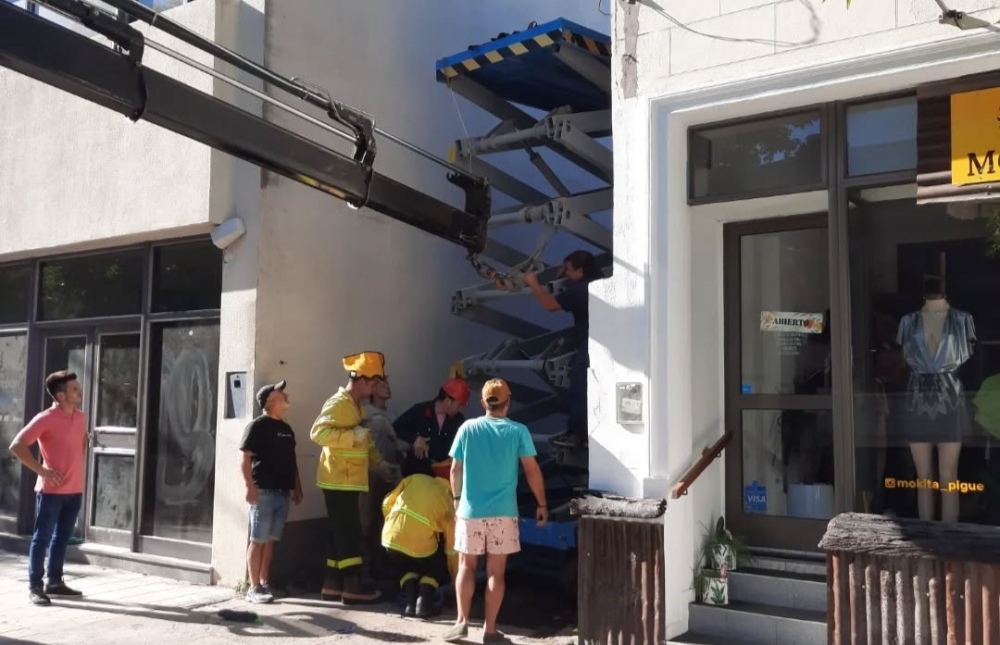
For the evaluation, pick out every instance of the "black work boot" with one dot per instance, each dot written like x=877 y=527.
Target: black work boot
x=410 y=588
x=333 y=586
x=356 y=593
x=425 y=603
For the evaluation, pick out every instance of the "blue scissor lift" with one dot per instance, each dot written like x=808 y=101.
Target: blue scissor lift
x=549 y=86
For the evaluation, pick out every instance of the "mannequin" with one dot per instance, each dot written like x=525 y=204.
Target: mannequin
x=936 y=341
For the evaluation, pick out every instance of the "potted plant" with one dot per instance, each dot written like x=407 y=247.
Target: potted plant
x=713 y=586
x=722 y=547
x=721 y=552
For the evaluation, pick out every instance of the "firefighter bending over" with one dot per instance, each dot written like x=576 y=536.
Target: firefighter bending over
x=419 y=535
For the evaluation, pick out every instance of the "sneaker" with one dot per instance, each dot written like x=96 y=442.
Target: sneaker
x=269 y=590
x=457 y=632
x=496 y=637
x=37 y=597
x=60 y=589
x=258 y=596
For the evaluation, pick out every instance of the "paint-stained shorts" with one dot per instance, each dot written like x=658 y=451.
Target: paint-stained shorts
x=497 y=535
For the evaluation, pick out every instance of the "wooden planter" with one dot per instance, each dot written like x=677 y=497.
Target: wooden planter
x=911 y=582
x=621 y=576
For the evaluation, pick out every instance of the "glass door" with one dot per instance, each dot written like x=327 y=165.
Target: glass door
x=780 y=464
x=13 y=377
x=106 y=361
x=112 y=460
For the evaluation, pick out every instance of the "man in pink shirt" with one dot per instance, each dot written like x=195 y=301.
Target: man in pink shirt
x=61 y=433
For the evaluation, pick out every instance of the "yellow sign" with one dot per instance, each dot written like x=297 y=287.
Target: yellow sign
x=930 y=484
x=975 y=137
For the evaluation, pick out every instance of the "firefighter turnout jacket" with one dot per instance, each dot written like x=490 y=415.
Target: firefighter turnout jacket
x=419 y=514
x=348 y=448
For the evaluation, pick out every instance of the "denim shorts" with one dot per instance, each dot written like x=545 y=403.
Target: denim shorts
x=268 y=515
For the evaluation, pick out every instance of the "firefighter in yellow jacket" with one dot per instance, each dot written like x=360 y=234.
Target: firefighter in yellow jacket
x=348 y=453
x=419 y=534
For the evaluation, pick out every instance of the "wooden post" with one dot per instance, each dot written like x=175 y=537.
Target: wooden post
x=927 y=583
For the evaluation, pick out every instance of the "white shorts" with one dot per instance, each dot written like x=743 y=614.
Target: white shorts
x=497 y=535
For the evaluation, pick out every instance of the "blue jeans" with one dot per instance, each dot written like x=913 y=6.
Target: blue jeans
x=55 y=519
x=268 y=515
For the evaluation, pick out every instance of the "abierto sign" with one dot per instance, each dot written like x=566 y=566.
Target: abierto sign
x=791 y=322
x=975 y=137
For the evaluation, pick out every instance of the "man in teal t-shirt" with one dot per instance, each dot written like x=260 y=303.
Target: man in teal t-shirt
x=486 y=453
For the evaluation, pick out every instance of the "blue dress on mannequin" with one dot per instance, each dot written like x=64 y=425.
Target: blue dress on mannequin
x=935 y=408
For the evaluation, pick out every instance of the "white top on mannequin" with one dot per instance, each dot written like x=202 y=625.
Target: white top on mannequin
x=932 y=316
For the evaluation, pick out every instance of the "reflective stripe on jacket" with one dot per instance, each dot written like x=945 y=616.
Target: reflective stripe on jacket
x=348 y=449
x=417 y=512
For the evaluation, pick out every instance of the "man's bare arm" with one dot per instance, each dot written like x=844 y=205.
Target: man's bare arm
x=533 y=473
x=22 y=451
x=247 y=468
x=456 y=477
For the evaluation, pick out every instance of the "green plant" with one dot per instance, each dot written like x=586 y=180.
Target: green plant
x=993 y=235
x=722 y=537
x=718 y=595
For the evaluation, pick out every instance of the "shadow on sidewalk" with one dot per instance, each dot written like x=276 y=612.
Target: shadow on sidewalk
x=293 y=624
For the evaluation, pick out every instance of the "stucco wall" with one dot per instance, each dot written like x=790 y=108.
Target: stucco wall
x=75 y=175
x=333 y=280
x=680 y=45
x=234 y=191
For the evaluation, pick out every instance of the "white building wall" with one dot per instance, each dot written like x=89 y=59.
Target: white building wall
x=74 y=175
x=333 y=280
x=677 y=65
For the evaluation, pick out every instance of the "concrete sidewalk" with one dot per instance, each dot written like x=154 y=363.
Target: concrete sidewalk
x=123 y=608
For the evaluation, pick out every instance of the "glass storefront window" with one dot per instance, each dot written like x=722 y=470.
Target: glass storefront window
x=763 y=156
x=925 y=296
x=788 y=463
x=118 y=381
x=784 y=309
x=13 y=374
x=15 y=294
x=66 y=353
x=180 y=440
x=882 y=137
x=187 y=277
x=92 y=285
x=114 y=491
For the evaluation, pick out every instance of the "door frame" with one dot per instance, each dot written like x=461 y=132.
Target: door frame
x=93 y=331
x=761 y=530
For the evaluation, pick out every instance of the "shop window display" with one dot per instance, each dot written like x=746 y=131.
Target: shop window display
x=925 y=291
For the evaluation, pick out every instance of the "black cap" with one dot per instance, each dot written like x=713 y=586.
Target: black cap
x=265 y=392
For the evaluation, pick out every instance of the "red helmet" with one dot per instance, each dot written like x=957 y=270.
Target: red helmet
x=457 y=389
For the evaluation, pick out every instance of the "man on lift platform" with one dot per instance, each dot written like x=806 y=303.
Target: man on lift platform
x=430 y=428
x=348 y=453
x=419 y=535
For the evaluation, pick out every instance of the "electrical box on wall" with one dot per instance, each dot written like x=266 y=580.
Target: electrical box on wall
x=628 y=397
x=236 y=395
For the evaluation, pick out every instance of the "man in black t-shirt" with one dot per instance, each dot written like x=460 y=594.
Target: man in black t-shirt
x=272 y=478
